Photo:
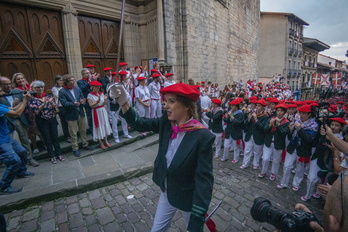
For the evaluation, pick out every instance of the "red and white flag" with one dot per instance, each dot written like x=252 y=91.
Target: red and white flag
x=325 y=79
x=315 y=78
x=336 y=80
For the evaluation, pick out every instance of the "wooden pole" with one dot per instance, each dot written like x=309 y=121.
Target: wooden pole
x=119 y=41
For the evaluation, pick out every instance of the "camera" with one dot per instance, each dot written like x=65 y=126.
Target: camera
x=297 y=221
x=32 y=93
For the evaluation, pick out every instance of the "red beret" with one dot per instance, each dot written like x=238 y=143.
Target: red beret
x=305 y=108
x=154 y=70
x=169 y=74
x=269 y=98
x=123 y=73
x=156 y=75
x=273 y=100
x=95 y=83
x=141 y=78
x=107 y=69
x=261 y=102
x=182 y=89
x=281 y=106
x=292 y=106
x=253 y=98
x=314 y=104
x=90 y=66
x=122 y=64
x=253 y=101
x=340 y=102
x=113 y=73
x=216 y=101
x=300 y=103
x=202 y=82
x=341 y=120
x=239 y=99
x=196 y=86
x=234 y=102
x=136 y=67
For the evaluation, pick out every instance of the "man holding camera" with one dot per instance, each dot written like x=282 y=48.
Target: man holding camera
x=21 y=123
x=12 y=154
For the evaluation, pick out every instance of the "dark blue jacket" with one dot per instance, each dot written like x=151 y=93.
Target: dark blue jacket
x=67 y=99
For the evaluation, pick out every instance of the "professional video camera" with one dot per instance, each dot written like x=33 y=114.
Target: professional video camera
x=297 y=221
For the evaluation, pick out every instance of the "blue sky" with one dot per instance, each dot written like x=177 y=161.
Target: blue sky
x=327 y=21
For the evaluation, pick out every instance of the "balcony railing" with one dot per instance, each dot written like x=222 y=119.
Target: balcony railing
x=295 y=53
x=291 y=51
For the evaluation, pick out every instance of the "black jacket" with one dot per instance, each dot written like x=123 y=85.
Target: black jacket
x=190 y=175
x=278 y=136
x=256 y=129
x=234 y=126
x=215 y=122
x=67 y=100
x=302 y=142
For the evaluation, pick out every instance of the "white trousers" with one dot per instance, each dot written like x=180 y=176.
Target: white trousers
x=231 y=143
x=312 y=178
x=269 y=152
x=290 y=160
x=155 y=109
x=142 y=110
x=252 y=148
x=165 y=213
x=217 y=143
x=115 y=117
x=299 y=172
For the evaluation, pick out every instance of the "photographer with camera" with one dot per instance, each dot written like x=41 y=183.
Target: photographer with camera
x=12 y=154
x=19 y=124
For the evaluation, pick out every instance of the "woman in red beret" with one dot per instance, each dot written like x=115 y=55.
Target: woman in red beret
x=101 y=126
x=142 y=98
x=215 y=114
x=183 y=168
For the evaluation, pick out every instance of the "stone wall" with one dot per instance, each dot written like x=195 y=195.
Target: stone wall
x=206 y=40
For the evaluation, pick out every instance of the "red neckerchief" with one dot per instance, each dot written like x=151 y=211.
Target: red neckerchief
x=282 y=122
x=95 y=114
x=191 y=125
x=40 y=95
x=66 y=87
x=27 y=87
x=85 y=79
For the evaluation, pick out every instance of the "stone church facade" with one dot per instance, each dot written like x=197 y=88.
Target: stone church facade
x=216 y=40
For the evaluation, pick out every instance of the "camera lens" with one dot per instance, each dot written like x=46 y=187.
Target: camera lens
x=263 y=211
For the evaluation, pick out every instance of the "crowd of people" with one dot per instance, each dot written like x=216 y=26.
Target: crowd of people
x=259 y=122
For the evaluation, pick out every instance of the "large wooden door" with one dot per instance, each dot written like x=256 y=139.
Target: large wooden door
x=99 y=42
x=31 y=42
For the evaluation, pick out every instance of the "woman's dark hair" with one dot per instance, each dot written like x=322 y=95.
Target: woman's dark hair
x=191 y=105
x=57 y=78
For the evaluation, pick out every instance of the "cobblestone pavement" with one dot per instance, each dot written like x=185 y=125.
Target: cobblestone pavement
x=131 y=205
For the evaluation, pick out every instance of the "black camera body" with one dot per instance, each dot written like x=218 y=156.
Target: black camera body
x=297 y=221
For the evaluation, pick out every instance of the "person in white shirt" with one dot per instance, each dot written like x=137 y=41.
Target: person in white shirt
x=154 y=89
x=205 y=104
x=142 y=98
x=169 y=80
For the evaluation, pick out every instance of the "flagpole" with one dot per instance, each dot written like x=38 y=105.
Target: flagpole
x=119 y=40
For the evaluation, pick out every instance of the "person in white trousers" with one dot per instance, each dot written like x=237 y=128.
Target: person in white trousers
x=215 y=124
x=142 y=98
x=154 y=89
x=276 y=130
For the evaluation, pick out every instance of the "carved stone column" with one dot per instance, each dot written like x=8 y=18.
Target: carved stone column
x=160 y=34
x=72 y=40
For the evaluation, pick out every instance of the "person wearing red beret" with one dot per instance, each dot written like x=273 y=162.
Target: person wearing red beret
x=214 y=115
x=276 y=129
x=234 y=119
x=123 y=67
x=303 y=134
x=340 y=112
x=106 y=79
x=155 y=96
x=94 y=75
x=183 y=168
x=169 y=80
x=254 y=135
x=142 y=98
x=101 y=125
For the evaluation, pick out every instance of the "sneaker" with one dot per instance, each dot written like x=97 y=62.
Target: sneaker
x=88 y=148
x=143 y=133
x=255 y=167
x=33 y=162
x=272 y=177
x=261 y=175
x=304 y=198
x=127 y=136
x=295 y=188
x=293 y=171
x=68 y=140
x=316 y=195
x=216 y=156
x=76 y=153
x=9 y=190
x=35 y=151
x=234 y=161
x=26 y=174
x=243 y=167
x=223 y=160
x=117 y=141
x=281 y=186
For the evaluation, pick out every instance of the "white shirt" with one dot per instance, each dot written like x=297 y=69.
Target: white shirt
x=142 y=92
x=154 y=89
x=173 y=146
x=168 y=83
x=205 y=102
